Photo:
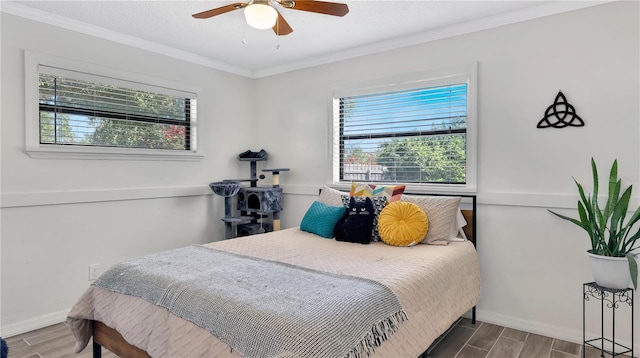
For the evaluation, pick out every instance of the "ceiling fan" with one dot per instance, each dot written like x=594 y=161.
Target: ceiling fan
x=261 y=14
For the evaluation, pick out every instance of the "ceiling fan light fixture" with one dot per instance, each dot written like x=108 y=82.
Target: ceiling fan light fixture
x=260 y=16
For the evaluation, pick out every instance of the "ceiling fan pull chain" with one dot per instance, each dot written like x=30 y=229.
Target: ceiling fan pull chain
x=244 y=33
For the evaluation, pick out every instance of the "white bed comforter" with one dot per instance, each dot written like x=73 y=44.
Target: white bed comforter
x=435 y=285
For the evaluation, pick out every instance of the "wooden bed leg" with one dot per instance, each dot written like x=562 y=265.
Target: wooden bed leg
x=473 y=315
x=97 y=350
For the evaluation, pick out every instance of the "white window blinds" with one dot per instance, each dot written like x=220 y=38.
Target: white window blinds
x=78 y=108
x=415 y=135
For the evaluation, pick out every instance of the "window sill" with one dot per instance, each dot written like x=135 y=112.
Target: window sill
x=102 y=153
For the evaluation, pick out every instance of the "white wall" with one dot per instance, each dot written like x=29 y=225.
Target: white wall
x=533 y=264
x=59 y=216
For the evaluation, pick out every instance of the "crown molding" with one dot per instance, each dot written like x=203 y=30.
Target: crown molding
x=534 y=12
x=100 y=32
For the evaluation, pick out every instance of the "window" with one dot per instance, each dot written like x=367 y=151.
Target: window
x=420 y=133
x=77 y=112
x=89 y=112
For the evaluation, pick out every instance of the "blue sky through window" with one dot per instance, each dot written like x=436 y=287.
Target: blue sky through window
x=376 y=118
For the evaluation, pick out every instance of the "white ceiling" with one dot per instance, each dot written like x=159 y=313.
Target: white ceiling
x=226 y=42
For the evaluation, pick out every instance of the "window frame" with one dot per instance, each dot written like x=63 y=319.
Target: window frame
x=466 y=73
x=35 y=149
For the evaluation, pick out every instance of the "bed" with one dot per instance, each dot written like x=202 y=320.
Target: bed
x=434 y=284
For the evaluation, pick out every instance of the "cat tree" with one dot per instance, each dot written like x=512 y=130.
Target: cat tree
x=254 y=203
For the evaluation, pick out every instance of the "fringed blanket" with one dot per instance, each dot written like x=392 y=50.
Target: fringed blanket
x=263 y=308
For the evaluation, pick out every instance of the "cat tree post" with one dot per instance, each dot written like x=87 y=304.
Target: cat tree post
x=276 y=184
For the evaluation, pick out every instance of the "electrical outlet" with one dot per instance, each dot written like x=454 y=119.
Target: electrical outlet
x=94 y=271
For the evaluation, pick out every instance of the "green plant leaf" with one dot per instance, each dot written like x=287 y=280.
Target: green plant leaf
x=590 y=225
x=594 y=173
x=582 y=213
x=586 y=223
x=630 y=242
x=575 y=221
x=614 y=190
x=634 y=218
x=616 y=227
x=613 y=200
x=608 y=232
x=633 y=269
x=594 y=198
x=613 y=174
x=581 y=191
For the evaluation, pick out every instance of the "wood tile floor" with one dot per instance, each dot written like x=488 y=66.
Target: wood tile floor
x=485 y=340
x=465 y=340
x=50 y=342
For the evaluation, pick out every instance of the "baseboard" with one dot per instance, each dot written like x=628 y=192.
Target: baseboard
x=34 y=323
x=569 y=335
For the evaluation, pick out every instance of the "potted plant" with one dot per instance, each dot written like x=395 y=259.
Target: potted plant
x=611 y=238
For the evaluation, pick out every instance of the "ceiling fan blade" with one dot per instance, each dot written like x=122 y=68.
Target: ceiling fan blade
x=281 y=27
x=219 y=10
x=322 y=7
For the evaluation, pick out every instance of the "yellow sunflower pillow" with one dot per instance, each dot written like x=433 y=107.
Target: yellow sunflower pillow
x=402 y=224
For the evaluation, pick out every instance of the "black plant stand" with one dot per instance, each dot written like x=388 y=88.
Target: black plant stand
x=613 y=298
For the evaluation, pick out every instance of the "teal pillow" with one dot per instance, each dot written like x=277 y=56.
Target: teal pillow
x=321 y=219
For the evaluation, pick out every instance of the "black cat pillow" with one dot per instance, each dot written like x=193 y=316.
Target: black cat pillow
x=357 y=222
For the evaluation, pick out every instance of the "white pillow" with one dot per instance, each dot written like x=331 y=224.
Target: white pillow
x=331 y=196
x=457 y=233
x=442 y=213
